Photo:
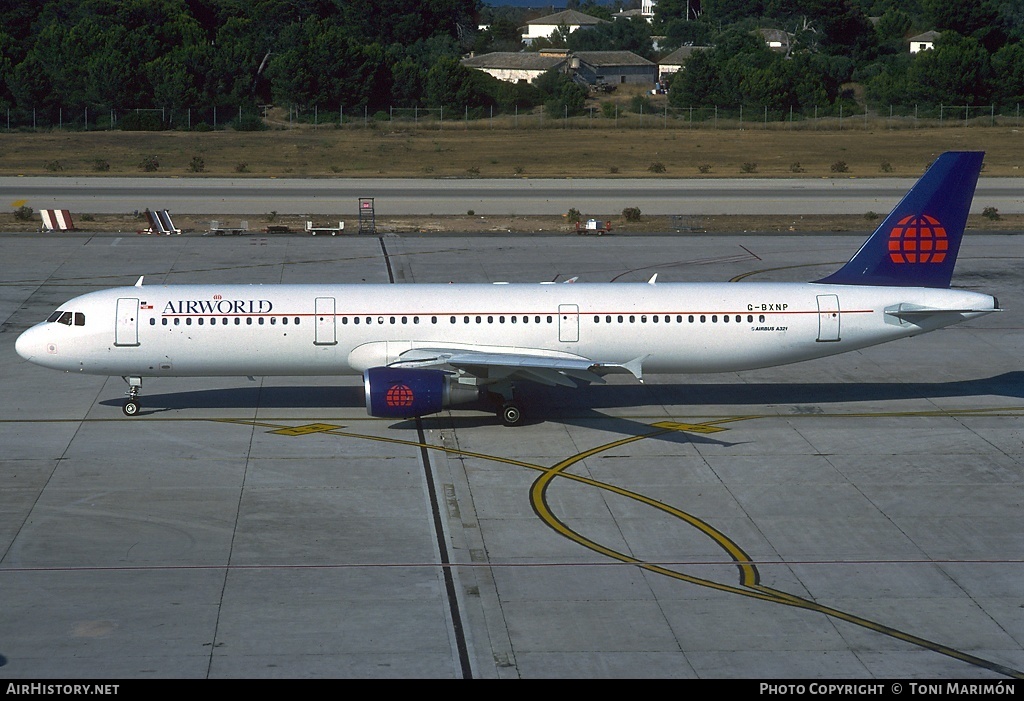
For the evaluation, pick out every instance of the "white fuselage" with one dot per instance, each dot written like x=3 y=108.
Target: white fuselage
x=231 y=330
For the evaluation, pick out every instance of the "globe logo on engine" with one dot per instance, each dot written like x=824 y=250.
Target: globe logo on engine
x=918 y=239
x=398 y=396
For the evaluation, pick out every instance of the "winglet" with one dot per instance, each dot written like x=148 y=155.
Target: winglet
x=917 y=244
x=653 y=279
x=138 y=283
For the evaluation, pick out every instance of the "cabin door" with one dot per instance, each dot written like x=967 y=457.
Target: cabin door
x=568 y=323
x=325 y=324
x=126 y=333
x=828 y=318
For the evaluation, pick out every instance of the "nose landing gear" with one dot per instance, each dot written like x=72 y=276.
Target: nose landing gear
x=131 y=405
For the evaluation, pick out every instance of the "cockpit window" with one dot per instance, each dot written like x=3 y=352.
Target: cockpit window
x=68 y=318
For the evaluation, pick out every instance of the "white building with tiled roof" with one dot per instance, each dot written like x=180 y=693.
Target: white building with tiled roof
x=674 y=62
x=544 y=27
x=516 y=67
x=924 y=42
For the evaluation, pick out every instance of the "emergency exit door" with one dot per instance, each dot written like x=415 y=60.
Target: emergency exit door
x=828 y=318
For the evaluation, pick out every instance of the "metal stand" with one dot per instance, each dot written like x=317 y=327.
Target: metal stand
x=367 y=219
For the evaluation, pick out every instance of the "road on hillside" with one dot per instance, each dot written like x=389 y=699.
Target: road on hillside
x=338 y=197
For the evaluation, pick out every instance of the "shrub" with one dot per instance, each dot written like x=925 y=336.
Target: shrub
x=142 y=121
x=100 y=165
x=885 y=167
x=149 y=164
x=249 y=122
x=656 y=167
x=54 y=166
x=748 y=167
x=796 y=167
x=470 y=213
x=871 y=216
x=242 y=167
x=641 y=104
x=631 y=214
x=704 y=168
x=574 y=215
x=197 y=165
x=609 y=110
x=23 y=213
x=990 y=213
x=839 y=167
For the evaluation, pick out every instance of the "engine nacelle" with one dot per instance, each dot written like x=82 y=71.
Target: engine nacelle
x=399 y=393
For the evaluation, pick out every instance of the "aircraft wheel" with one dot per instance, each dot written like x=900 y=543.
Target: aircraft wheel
x=131 y=407
x=511 y=414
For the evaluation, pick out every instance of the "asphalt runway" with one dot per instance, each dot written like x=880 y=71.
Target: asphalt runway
x=856 y=517
x=338 y=197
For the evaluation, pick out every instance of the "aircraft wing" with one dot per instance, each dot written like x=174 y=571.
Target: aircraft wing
x=493 y=366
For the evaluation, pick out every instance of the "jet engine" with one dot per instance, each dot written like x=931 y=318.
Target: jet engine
x=398 y=393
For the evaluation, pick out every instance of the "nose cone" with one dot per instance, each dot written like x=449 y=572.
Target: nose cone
x=29 y=344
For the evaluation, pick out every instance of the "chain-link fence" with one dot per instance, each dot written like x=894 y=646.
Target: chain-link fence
x=646 y=115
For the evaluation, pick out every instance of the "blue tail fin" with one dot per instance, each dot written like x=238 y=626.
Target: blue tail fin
x=917 y=244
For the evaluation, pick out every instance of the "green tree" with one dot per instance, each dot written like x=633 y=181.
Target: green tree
x=957 y=71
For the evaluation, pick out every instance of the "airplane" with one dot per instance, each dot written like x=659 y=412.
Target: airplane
x=422 y=348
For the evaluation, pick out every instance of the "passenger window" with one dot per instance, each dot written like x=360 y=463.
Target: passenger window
x=152 y=322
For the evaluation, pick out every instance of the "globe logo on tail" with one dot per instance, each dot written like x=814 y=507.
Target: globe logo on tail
x=918 y=239
x=398 y=396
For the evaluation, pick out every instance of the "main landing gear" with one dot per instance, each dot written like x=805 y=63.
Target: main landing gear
x=131 y=405
x=509 y=410
x=511 y=414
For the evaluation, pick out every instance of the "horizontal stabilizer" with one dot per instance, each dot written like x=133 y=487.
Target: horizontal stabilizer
x=915 y=311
